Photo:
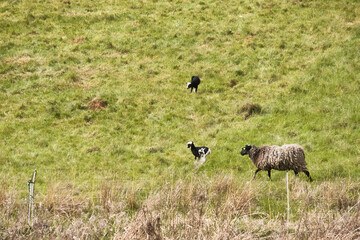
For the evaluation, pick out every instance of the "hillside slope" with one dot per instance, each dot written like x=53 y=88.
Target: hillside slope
x=94 y=97
x=298 y=60
x=93 y=93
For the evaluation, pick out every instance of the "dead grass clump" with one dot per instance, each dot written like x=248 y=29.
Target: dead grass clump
x=22 y=59
x=3 y=197
x=106 y=197
x=144 y=226
x=62 y=200
x=79 y=39
x=232 y=199
x=97 y=104
x=337 y=196
x=93 y=149
x=232 y=83
x=249 y=109
x=199 y=207
x=238 y=202
x=222 y=185
x=330 y=210
x=218 y=192
x=330 y=225
x=132 y=202
x=8 y=203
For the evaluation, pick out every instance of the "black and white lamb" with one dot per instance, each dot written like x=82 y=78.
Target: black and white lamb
x=195 y=81
x=200 y=153
x=284 y=158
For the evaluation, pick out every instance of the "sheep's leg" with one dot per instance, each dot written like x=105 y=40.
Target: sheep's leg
x=308 y=174
x=296 y=173
x=269 y=173
x=202 y=160
x=257 y=170
x=208 y=152
x=195 y=90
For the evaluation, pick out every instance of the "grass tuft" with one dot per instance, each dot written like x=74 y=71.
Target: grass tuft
x=249 y=109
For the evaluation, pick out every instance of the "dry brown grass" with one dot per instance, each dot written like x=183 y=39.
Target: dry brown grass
x=196 y=208
x=249 y=109
x=97 y=104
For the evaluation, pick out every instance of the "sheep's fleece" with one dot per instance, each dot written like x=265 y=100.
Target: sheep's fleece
x=286 y=157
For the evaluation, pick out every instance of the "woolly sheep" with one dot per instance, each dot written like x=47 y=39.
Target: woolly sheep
x=284 y=158
x=195 y=81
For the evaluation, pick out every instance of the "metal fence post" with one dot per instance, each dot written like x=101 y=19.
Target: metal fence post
x=287 y=193
x=31 y=188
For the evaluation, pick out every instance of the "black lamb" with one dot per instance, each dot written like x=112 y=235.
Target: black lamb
x=200 y=153
x=195 y=81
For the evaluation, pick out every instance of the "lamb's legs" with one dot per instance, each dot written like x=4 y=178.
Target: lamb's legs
x=202 y=160
x=308 y=174
x=269 y=174
x=257 y=170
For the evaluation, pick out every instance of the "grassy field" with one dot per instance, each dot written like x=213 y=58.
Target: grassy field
x=93 y=95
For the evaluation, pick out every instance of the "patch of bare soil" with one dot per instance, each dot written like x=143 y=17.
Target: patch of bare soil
x=79 y=39
x=97 y=104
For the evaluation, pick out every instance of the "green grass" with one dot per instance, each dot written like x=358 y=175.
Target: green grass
x=299 y=60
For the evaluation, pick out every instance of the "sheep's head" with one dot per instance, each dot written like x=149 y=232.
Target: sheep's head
x=188 y=85
x=245 y=150
x=189 y=144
